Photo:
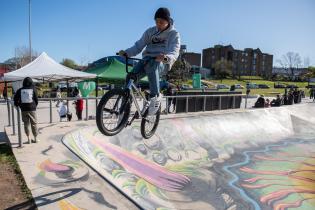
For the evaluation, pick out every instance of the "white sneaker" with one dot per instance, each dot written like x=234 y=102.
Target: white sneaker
x=155 y=103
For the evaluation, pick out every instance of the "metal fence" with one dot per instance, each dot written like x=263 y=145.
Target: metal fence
x=12 y=109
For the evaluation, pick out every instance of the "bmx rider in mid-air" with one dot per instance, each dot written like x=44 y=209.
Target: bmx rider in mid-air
x=162 y=43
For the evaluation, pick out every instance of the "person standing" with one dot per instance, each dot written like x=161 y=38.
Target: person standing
x=58 y=96
x=79 y=106
x=5 y=92
x=26 y=99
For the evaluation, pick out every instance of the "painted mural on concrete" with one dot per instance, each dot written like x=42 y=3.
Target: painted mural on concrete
x=280 y=176
x=188 y=164
x=53 y=173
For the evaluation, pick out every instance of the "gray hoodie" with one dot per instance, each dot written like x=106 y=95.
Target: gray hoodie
x=166 y=42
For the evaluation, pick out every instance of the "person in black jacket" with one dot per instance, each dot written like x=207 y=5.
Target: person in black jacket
x=276 y=102
x=26 y=99
x=260 y=103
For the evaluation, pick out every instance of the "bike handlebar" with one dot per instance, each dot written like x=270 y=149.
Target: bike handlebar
x=129 y=58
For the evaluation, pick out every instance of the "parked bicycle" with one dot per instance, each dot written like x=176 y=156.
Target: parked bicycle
x=114 y=111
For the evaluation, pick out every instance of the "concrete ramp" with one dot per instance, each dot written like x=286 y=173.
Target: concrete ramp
x=257 y=159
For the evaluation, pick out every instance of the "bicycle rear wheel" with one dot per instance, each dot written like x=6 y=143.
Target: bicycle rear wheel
x=149 y=124
x=112 y=112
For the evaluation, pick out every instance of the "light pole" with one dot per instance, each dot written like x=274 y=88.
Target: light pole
x=29 y=29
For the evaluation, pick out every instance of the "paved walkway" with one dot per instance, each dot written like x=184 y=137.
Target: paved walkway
x=76 y=188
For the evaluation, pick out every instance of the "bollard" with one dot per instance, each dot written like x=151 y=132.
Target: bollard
x=13 y=120
x=86 y=109
x=246 y=101
x=50 y=110
x=9 y=112
x=233 y=102
x=219 y=102
x=187 y=104
x=204 y=103
x=166 y=105
x=19 y=126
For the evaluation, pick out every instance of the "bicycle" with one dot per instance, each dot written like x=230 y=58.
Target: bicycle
x=111 y=120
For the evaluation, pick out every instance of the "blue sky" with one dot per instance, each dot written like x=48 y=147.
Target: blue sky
x=86 y=30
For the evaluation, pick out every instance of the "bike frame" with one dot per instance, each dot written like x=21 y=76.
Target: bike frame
x=133 y=89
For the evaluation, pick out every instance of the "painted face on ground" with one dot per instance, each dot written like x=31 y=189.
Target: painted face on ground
x=161 y=24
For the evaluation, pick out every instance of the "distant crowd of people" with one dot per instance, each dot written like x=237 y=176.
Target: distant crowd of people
x=63 y=108
x=288 y=98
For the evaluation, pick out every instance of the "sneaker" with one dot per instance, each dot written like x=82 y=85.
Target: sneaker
x=35 y=141
x=155 y=103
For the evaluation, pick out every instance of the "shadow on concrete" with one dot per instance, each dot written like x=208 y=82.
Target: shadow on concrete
x=46 y=199
x=54 y=197
x=3 y=138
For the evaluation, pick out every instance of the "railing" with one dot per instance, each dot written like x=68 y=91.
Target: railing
x=11 y=108
x=187 y=97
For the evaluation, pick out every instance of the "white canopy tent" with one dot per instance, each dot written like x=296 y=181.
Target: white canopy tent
x=44 y=68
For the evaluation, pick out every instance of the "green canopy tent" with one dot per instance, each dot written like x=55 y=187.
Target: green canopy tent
x=112 y=72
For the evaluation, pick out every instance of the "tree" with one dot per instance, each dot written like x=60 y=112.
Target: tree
x=179 y=72
x=22 y=57
x=290 y=62
x=223 y=69
x=309 y=74
x=69 y=63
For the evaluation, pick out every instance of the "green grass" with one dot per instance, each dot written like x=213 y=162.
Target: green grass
x=251 y=78
x=7 y=157
x=267 y=92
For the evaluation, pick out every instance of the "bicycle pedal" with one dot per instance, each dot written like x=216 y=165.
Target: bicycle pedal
x=135 y=116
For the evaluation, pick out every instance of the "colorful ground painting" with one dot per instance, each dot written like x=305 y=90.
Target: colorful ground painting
x=237 y=161
x=279 y=177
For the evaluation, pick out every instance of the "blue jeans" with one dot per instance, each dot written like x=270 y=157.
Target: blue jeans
x=151 y=68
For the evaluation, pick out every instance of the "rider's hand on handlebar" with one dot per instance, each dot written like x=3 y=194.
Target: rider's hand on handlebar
x=161 y=58
x=122 y=53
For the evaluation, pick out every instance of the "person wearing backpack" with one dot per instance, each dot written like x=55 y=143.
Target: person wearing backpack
x=26 y=99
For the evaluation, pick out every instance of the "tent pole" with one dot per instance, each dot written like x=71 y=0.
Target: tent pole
x=96 y=93
x=67 y=95
x=96 y=87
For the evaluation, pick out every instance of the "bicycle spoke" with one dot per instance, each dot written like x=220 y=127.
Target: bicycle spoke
x=110 y=112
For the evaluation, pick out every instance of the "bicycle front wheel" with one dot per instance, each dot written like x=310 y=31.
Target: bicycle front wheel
x=149 y=124
x=112 y=112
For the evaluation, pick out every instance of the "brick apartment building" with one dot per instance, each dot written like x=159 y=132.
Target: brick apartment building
x=249 y=62
x=192 y=58
x=4 y=68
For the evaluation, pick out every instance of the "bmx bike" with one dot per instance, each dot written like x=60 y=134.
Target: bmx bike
x=115 y=110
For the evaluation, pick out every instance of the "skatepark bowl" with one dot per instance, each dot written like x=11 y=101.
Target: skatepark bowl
x=247 y=159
